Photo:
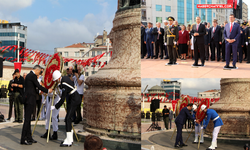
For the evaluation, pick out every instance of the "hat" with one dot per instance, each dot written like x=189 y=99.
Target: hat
x=244 y=23
x=205 y=23
x=171 y=18
x=203 y=107
x=194 y=107
x=17 y=70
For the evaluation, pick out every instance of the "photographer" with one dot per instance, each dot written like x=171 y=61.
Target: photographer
x=17 y=86
x=11 y=96
x=79 y=83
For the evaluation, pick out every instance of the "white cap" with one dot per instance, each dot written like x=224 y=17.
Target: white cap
x=194 y=107
x=56 y=75
x=203 y=107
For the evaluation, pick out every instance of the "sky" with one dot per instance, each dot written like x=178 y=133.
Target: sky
x=190 y=86
x=59 y=23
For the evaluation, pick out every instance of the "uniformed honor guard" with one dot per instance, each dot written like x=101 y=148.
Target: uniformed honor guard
x=197 y=128
x=67 y=87
x=247 y=37
x=171 y=37
x=212 y=114
x=55 y=112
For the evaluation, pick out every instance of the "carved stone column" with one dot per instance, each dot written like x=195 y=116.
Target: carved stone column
x=113 y=100
x=233 y=108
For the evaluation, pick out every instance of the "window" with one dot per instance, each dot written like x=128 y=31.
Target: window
x=209 y=12
x=189 y=11
x=196 y=10
x=180 y=7
x=99 y=52
x=87 y=55
x=203 y=12
x=159 y=19
x=168 y=8
x=66 y=54
x=66 y=64
x=93 y=72
x=214 y=14
x=76 y=54
x=93 y=53
x=158 y=7
x=86 y=74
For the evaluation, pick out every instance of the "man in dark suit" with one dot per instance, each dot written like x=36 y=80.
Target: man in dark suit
x=241 y=43
x=143 y=53
x=198 y=32
x=223 y=41
x=67 y=87
x=215 y=40
x=30 y=84
x=149 y=40
x=231 y=35
x=179 y=121
x=247 y=38
x=158 y=33
x=206 y=42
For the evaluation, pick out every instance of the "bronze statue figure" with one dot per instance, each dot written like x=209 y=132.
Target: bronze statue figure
x=128 y=4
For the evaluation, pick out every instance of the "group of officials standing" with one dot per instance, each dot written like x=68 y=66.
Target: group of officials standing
x=225 y=42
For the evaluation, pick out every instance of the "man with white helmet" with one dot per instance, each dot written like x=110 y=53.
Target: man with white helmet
x=212 y=114
x=55 y=113
x=197 y=128
x=67 y=87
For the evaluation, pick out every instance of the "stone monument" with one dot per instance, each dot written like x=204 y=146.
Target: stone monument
x=113 y=100
x=233 y=108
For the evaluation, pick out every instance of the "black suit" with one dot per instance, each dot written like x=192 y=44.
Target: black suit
x=215 y=38
x=199 y=43
x=179 y=121
x=222 y=44
x=143 y=50
x=72 y=103
x=30 y=92
x=158 y=39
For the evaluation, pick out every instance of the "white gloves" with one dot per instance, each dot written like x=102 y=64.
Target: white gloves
x=53 y=107
x=174 y=43
x=165 y=44
x=202 y=128
x=246 y=43
x=44 y=102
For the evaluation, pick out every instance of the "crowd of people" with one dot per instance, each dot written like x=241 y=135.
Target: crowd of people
x=216 y=42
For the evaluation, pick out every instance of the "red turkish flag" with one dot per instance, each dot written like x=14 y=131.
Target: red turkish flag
x=232 y=2
x=174 y=104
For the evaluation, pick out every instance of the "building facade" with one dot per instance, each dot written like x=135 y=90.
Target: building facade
x=244 y=12
x=184 y=11
x=209 y=94
x=172 y=87
x=9 y=34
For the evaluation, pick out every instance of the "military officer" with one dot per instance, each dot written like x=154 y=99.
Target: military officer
x=212 y=114
x=197 y=128
x=247 y=37
x=55 y=113
x=171 y=37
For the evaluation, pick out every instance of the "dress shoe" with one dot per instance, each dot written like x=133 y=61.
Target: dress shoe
x=32 y=141
x=45 y=134
x=161 y=57
x=156 y=57
x=16 y=121
x=148 y=58
x=207 y=59
x=54 y=136
x=234 y=67
x=177 y=146
x=202 y=64
x=183 y=145
x=240 y=61
x=195 y=64
x=174 y=63
x=20 y=121
x=152 y=57
x=25 y=142
x=195 y=142
x=8 y=119
x=170 y=63
x=65 y=145
x=223 y=60
x=212 y=59
x=226 y=66
x=166 y=58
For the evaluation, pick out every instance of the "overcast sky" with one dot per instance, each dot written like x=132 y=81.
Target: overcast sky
x=189 y=86
x=59 y=23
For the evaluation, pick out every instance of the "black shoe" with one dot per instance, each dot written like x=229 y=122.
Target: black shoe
x=152 y=57
x=142 y=57
x=161 y=57
x=20 y=121
x=174 y=63
x=195 y=142
x=234 y=67
x=32 y=141
x=25 y=142
x=223 y=60
x=177 y=146
x=65 y=145
x=8 y=119
x=240 y=61
x=76 y=122
x=170 y=63
x=54 y=136
x=33 y=119
x=195 y=64
x=148 y=58
x=16 y=121
x=212 y=59
x=45 y=135
x=207 y=59
x=245 y=59
x=202 y=64
x=184 y=59
x=166 y=58
x=183 y=145
x=156 y=57
x=226 y=66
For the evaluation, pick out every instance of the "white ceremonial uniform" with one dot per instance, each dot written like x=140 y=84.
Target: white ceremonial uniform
x=43 y=114
x=55 y=112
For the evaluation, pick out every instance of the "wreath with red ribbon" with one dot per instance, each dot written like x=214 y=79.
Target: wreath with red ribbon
x=185 y=101
x=200 y=115
x=54 y=63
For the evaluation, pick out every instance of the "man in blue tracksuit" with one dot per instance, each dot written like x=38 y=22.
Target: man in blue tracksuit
x=179 y=121
x=212 y=115
x=197 y=127
x=149 y=40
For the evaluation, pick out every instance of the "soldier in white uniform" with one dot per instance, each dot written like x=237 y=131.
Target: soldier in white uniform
x=55 y=112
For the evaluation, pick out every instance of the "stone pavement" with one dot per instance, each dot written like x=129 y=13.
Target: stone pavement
x=155 y=68
x=161 y=140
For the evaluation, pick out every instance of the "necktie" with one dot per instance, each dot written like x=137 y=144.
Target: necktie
x=231 y=27
x=158 y=34
x=214 y=29
x=197 y=27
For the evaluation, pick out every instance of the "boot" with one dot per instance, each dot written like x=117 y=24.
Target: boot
x=45 y=135
x=202 y=140
x=66 y=142
x=212 y=147
x=54 y=136
x=196 y=139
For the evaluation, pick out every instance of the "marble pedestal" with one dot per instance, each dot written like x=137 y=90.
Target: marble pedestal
x=233 y=108
x=113 y=100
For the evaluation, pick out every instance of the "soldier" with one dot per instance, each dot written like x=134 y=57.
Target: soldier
x=247 y=37
x=197 y=128
x=244 y=27
x=171 y=37
x=212 y=114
